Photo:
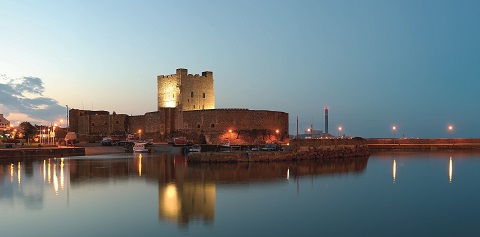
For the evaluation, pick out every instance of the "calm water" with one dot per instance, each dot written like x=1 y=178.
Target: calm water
x=388 y=194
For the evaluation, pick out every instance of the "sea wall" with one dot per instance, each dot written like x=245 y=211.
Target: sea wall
x=423 y=141
x=423 y=144
x=301 y=149
x=42 y=152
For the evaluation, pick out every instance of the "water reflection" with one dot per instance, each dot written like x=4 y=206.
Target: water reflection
x=186 y=192
x=394 y=170
x=450 y=169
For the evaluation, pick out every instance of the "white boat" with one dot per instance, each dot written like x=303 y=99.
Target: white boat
x=195 y=148
x=139 y=147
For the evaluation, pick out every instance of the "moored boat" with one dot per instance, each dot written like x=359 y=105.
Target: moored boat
x=195 y=148
x=139 y=147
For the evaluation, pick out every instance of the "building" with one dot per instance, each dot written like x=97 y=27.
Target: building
x=4 y=123
x=186 y=91
x=186 y=107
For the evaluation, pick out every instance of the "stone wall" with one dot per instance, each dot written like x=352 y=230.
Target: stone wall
x=77 y=122
x=238 y=126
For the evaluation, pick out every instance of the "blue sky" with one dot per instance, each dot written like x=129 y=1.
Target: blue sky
x=413 y=64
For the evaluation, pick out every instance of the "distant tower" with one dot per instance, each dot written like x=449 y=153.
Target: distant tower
x=326 y=121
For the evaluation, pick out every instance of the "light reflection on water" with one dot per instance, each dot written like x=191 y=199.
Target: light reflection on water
x=127 y=195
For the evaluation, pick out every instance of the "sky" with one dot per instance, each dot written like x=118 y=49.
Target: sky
x=375 y=64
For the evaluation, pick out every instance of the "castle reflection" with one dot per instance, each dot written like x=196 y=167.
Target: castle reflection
x=186 y=192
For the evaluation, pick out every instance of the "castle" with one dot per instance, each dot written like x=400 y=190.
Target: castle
x=186 y=107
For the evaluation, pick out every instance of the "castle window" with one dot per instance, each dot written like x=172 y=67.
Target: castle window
x=93 y=124
x=194 y=106
x=212 y=125
x=203 y=94
x=188 y=100
x=203 y=106
x=173 y=95
x=191 y=94
x=198 y=125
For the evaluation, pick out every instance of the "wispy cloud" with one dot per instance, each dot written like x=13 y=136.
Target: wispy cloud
x=25 y=96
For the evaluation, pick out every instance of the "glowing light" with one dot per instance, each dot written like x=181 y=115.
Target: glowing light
x=19 y=174
x=171 y=204
x=394 y=128
x=340 y=128
x=49 y=174
x=450 y=127
x=140 y=165
x=450 y=170
x=230 y=130
x=44 y=170
x=55 y=179
x=62 y=176
x=12 y=167
x=288 y=174
x=170 y=104
x=277 y=131
x=394 y=170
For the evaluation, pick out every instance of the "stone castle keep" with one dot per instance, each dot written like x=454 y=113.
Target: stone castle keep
x=186 y=107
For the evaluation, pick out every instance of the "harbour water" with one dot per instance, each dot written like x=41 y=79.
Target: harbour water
x=387 y=194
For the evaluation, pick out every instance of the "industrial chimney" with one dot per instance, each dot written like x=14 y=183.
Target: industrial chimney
x=326 y=121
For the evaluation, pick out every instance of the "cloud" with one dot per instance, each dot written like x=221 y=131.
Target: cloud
x=25 y=96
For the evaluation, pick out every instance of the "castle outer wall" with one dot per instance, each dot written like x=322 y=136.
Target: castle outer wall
x=186 y=91
x=236 y=126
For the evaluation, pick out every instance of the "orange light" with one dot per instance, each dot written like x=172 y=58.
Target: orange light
x=139 y=130
x=277 y=131
x=394 y=128
x=230 y=130
x=450 y=127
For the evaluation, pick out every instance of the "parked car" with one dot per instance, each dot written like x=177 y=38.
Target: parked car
x=106 y=141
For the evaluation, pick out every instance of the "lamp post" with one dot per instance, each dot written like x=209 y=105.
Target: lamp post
x=139 y=134
x=394 y=128
x=339 y=131
x=67 y=119
x=450 y=128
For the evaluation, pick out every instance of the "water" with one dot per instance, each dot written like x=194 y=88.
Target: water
x=388 y=194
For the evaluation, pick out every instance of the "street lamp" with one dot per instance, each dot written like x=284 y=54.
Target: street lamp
x=394 y=128
x=450 y=128
x=339 y=131
x=139 y=134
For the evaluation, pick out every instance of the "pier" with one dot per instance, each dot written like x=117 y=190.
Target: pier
x=42 y=152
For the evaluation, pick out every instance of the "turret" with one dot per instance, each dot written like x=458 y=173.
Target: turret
x=207 y=74
x=182 y=72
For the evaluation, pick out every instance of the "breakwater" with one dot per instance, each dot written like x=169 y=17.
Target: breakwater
x=423 y=144
x=301 y=149
x=42 y=152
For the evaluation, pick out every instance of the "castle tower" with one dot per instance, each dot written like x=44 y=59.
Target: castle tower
x=186 y=91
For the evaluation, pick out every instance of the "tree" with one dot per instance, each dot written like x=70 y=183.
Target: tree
x=29 y=130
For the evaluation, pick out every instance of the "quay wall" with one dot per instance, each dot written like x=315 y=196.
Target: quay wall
x=301 y=149
x=42 y=152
